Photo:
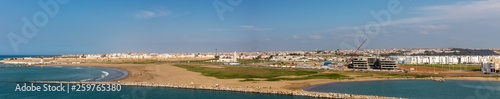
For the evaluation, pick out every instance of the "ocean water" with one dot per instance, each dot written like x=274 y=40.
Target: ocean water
x=11 y=76
x=417 y=89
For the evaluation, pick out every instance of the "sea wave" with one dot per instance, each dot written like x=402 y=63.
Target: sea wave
x=102 y=76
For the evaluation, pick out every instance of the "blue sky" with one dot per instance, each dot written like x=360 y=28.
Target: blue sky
x=107 y=26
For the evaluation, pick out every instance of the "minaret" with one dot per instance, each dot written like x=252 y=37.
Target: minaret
x=235 y=57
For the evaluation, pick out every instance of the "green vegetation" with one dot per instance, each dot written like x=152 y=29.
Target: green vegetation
x=250 y=61
x=249 y=79
x=453 y=67
x=277 y=74
x=269 y=74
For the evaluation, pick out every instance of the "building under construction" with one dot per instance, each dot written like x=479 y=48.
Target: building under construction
x=372 y=63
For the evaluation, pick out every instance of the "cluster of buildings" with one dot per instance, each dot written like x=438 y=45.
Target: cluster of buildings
x=367 y=59
x=416 y=51
x=490 y=64
x=442 y=59
x=288 y=55
x=139 y=55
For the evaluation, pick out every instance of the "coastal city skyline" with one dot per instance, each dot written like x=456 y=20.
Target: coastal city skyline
x=250 y=49
x=252 y=26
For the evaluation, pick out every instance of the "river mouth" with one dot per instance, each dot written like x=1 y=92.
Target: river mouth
x=415 y=89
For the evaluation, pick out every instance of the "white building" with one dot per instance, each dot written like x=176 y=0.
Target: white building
x=442 y=59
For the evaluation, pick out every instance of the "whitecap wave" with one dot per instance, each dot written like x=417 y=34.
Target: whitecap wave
x=78 y=68
x=104 y=75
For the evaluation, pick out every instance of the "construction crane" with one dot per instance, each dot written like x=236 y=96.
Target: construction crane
x=352 y=55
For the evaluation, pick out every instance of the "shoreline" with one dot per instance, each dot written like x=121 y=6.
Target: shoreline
x=124 y=74
x=157 y=75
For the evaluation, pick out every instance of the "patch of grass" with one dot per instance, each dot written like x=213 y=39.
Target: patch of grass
x=250 y=61
x=269 y=74
x=422 y=76
x=245 y=72
x=273 y=79
x=366 y=75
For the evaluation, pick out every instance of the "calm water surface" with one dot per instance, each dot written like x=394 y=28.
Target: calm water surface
x=417 y=89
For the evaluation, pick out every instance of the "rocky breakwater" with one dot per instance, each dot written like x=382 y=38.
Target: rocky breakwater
x=250 y=89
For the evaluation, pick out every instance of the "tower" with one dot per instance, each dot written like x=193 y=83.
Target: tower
x=235 y=59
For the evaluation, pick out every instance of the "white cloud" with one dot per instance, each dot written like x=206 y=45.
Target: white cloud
x=431 y=29
x=424 y=32
x=254 y=28
x=147 y=14
x=474 y=10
